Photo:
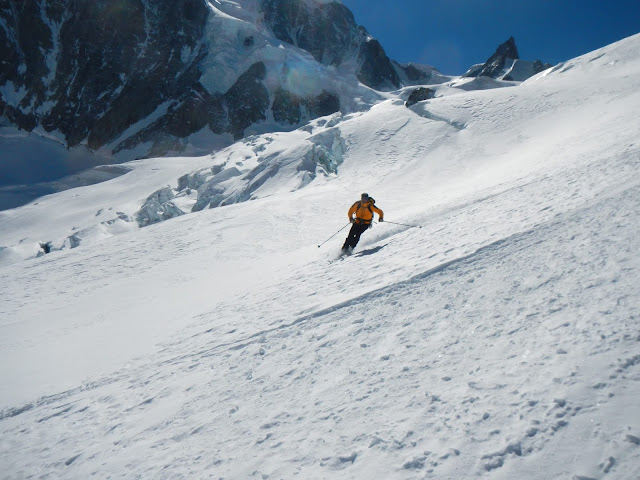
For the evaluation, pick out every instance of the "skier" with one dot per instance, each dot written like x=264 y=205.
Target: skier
x=363 y=210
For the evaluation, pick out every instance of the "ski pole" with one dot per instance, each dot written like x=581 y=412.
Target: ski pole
x=334 y=234
x=404 y=224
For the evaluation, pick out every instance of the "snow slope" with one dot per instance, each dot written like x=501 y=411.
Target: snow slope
x=501 y=340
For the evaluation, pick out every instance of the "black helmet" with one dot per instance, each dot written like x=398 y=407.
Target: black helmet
x=364 y=196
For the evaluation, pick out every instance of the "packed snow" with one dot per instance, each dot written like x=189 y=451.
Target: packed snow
x=488 y=328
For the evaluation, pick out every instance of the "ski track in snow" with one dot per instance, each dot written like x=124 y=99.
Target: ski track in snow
x=499 y=341
x=298 y=395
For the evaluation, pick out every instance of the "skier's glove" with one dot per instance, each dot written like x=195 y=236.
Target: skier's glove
x=381 y=220
x=352 y=220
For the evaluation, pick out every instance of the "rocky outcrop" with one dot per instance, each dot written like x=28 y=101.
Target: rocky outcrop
x=324 y=104
x=521 y=70
x=286 y=107
x=496 y=62
x=248 y=100
x=418 y=95
x=376 y=69
x=326 y=30
x=329 y=32
x=289 y=108
x=414 y=74
x=505 y=64
x=92 y=69
x=245 y=103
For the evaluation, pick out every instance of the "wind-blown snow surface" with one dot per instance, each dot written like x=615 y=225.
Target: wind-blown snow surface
x=501 y=340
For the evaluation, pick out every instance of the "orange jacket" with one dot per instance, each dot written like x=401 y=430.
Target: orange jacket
x=364 y=211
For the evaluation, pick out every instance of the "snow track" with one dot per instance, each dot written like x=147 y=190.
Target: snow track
x=481 y=375
x=500 y=341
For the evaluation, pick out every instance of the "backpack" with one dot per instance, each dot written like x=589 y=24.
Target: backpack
x=373 y=202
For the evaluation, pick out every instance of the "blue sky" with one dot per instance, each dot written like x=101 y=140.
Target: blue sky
x=452 y=35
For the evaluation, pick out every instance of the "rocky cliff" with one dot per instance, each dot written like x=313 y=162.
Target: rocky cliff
x=89 y=70
x=138 y=78
x=505 y=64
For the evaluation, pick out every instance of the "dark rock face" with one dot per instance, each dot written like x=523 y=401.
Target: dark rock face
x=418 y=95
x=114 y=65
x=413 y=74
x=376 y=69
x=16 y=117
x=245 y=103
x=496 y=62
x=108 y=68
x=288 y=108
x=188 y=115
x=474 y=71
x=324 y=104
x=540 y=66
x=247 y=100
x=495 y=65
x=92 y=69
x=328 y=31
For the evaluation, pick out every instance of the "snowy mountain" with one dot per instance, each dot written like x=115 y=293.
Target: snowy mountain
x=505 y=64
x=499 y=340
x=138 y=79
x=96 y=83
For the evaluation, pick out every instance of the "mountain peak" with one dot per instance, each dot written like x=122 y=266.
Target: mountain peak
x=505 y=64
x=496 y=62
x=508 y=50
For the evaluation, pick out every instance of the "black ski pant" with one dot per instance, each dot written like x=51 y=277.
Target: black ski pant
x=353 y=238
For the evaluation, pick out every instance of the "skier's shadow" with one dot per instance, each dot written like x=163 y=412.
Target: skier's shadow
x=370 y=251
